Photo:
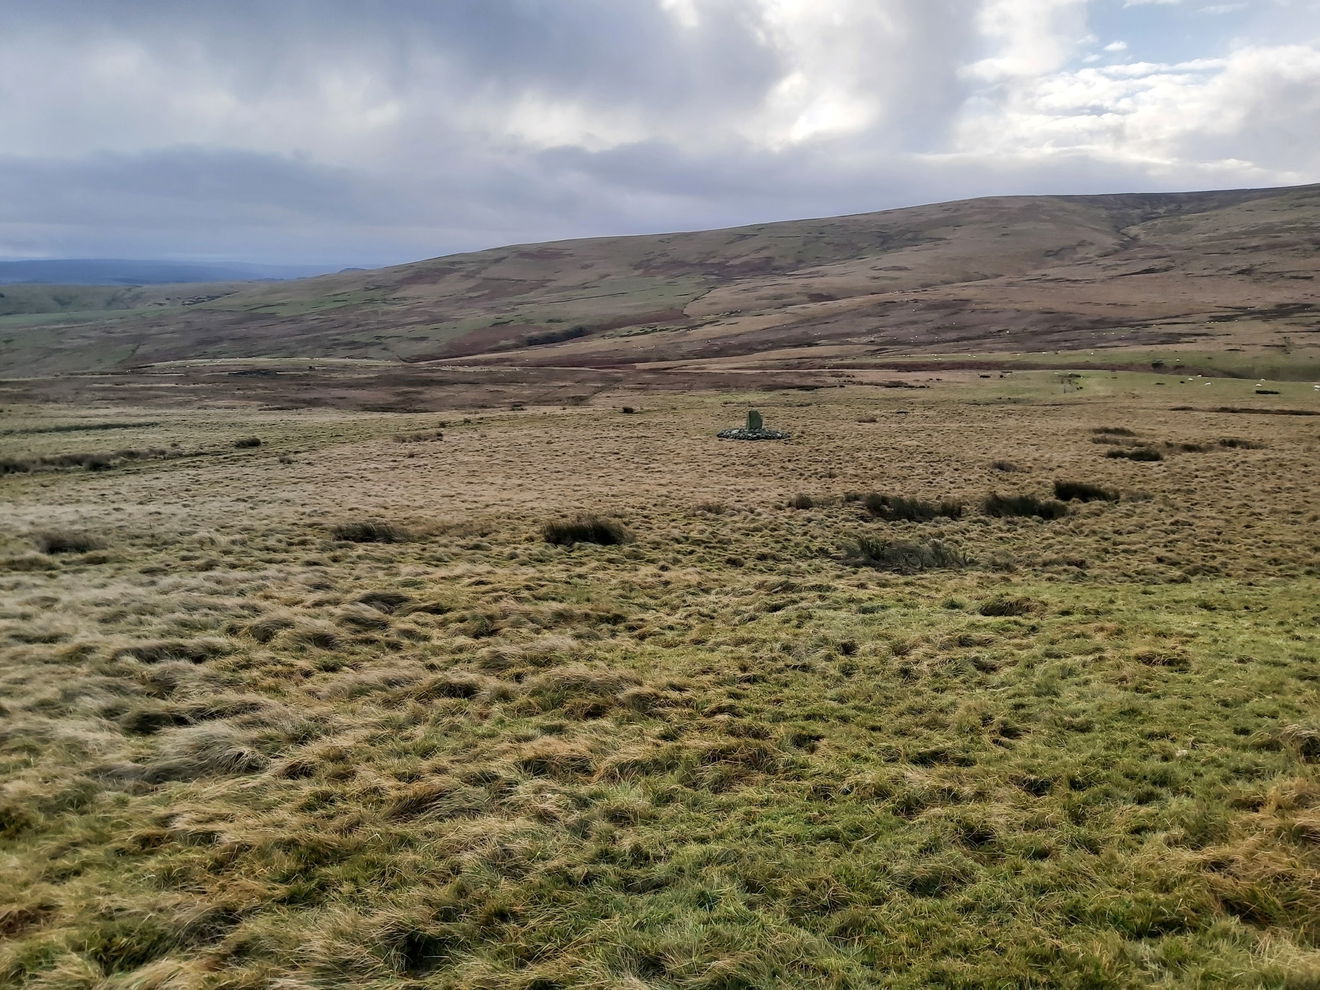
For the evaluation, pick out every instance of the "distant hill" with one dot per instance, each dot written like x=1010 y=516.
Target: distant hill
x=1227 y=270
x=101 y=271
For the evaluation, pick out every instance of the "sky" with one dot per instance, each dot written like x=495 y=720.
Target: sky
x=339 y=133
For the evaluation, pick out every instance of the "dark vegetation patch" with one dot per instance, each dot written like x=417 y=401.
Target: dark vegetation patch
x=369 y=531
x=1136 y=454
x=245 y=443
x=1004 y=605
x=54 y=541
x=995 y=504
x=556 y=336
x=78 y=428
x=1080 y=491
x=1006 y=466
x=904 y=556
x=95 y=461
x=585 y=529
x=421 y=436
x=1241 y=443
x=896 y=507
x=1265 y=412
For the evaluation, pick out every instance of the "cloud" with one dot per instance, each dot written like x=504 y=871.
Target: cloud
x=332 y=130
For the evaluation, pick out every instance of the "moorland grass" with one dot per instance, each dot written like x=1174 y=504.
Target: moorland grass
x=236 y=754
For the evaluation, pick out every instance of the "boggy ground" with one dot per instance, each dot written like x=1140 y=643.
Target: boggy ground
x=239 y=752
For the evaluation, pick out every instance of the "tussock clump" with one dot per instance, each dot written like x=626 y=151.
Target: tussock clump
x=556 y=758
x=266 y=628
x=896 y=507
x=385 y=601
x=1304 y=740
x=585 y=529
x=995 y=504
x=191 y=650
x=440 y=797
x=800 y=501
x=1004 y=605
x=361 y=616
x=904 y=557
x=1241 y=443
x=53 y=541
x=312 y=632
x=244 y=443
x=1080 y=491
x=579 y=690
x=201 y=751
x=1137 y=454
x=369 y=531
x=453 y=684
x=1006 y=466
x=1118 y=431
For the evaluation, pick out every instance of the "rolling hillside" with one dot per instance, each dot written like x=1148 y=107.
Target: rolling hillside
x=1209 y=271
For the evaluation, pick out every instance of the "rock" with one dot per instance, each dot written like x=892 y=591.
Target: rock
x=742 y=433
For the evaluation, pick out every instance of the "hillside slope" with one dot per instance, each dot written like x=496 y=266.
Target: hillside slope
x=1017 y=274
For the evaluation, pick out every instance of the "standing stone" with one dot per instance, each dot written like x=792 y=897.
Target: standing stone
x=754 y=423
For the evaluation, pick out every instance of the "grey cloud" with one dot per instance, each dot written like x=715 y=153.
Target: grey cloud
x=229 y=130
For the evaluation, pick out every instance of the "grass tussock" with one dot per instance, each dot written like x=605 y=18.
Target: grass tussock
x=585 y=529
x=246 y=443
x=1006 y=605
x=905 y=556
x=369 y=531
x=1027 y=506
x=898 y=508
x=1080 y=491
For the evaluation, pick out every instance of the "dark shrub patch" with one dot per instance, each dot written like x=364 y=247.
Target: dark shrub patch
x=66 y=541
x=895 y=507
x=1118 y=431
x=555 y=336
x=801 y=501
x=1080 y=491
x=995 y=504
x=420 y=437
x=904 y=557
x=585 y=529
x=368 y=531
x=1239 y=442
x=1137 y=454
x=1007 y=466
x=245 y=442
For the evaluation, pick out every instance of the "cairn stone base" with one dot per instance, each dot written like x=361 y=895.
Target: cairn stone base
x=742 y=433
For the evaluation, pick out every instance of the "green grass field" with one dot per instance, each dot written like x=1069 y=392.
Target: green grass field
x=773 y=739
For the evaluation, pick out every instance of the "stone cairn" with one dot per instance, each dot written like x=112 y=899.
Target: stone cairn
x=754 y=430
